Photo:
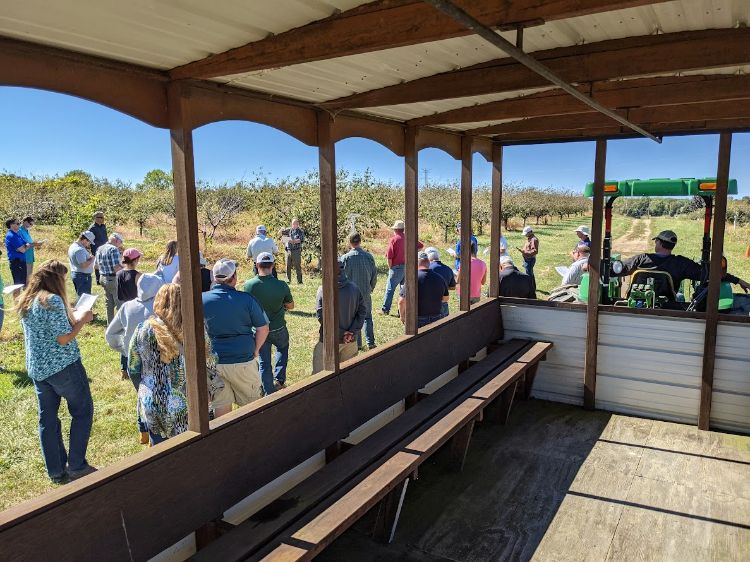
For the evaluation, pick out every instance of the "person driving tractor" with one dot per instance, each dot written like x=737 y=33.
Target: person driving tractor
x=678 y=267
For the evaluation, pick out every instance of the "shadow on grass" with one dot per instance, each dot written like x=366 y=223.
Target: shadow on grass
x=301 y=313
x=100 y=320
x=20 y=378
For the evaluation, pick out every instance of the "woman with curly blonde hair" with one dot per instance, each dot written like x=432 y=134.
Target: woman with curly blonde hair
x=156 y=366
x=53 y=362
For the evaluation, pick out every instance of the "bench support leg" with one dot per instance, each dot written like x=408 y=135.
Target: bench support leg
x=389 y=510
x=529 y=381
x=499 y=410
x=459 y=445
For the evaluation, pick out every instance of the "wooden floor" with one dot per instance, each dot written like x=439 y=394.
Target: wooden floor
x=559 y=483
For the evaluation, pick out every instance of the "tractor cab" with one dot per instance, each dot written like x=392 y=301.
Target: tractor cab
x=654 y=288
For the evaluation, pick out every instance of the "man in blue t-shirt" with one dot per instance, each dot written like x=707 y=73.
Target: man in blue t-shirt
x=16 y=247
x=432 y=292
x=237 y=327
x=444 y=271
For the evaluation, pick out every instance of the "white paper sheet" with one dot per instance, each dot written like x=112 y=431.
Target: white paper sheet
x=11 y=288
x=85 y=303
x=562 y=270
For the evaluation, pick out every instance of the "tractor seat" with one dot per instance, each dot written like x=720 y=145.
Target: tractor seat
x=663 y=284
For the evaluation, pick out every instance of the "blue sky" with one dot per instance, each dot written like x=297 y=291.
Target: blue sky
x=46 y=134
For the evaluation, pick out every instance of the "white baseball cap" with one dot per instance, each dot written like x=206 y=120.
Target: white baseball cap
x=398 y=225
x=526 y=230
x=583 y=230
x=88 y=235
x=260 y=228
x=224 y=268
x=264 y=257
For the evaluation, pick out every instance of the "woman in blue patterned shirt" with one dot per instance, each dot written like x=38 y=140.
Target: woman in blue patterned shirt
x=53 y=362
x=156 y=365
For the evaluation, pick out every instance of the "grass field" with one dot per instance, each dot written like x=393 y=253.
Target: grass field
x=22 y=473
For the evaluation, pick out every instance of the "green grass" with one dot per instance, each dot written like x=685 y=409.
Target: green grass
x=114 y=436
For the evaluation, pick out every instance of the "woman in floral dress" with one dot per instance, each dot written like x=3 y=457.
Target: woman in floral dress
x=156 y=364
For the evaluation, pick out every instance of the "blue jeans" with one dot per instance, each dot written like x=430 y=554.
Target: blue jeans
x=528 y=265
x=70 y=383
x=155 y=438
x=444 y=310
x=18 y=271
x=369 y=327
x=2 y=317
x=395 y=278
x=280 y=340
x=81 y=282
x=142 y=427
x=424 y=320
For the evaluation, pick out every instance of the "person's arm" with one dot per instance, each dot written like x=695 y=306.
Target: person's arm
x=115 y=333
x=484 y=276
x=734 y=280
x=446 y=295
x=65 y=339
x=288 y=300
x=402 y=309
x=534 y=247
x=420 y=245
x=359 y=317
x=373 y=275
x=389 y=253
x=319 y=305
x=261 y=333
x=87 y=262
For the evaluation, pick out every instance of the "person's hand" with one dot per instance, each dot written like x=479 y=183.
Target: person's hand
x=348 y=337
x=745 y=285
x=87 y=317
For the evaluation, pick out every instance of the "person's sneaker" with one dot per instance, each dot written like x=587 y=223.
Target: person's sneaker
x=279 y=385
x=383 y=312
x=60 y=480
x=124 y=375
x=144 y=437
x=76 y=474
x=373 y=346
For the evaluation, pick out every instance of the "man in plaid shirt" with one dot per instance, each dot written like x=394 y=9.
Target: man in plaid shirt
x=359 y=268
x=109 y=261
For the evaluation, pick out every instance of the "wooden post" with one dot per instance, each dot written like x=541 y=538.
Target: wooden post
x=495 y=220
x=714 y=281
x=183 y=173
x=592 y=311
x=466 y=185
x=411 y=218
x=328 y=242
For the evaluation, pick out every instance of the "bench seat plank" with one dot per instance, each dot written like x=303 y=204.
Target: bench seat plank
x=250 y=535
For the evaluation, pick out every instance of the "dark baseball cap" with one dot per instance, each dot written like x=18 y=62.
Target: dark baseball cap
x=666 y=236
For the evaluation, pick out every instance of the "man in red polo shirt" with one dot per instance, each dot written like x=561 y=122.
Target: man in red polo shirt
x=396 y=255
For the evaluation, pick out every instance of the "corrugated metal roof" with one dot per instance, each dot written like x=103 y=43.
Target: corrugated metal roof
x=167 y=33
x=158 y=33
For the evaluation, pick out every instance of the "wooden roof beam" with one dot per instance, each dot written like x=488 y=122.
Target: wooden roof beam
x=664 y=114
x=515 y=51
x=604 y=60
x=638 y=92
x=385 y=24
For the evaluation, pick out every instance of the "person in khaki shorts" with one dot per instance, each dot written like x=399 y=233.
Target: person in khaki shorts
x=237 y=327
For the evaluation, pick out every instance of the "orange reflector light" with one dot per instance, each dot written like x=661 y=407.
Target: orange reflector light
x=707 y=186
x=610 y=188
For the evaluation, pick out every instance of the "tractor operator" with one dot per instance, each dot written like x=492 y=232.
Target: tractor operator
x=678 y=267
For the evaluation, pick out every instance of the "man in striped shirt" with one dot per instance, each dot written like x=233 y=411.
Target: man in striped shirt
x=109 y=261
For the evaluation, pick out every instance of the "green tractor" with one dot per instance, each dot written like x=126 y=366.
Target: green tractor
x=641 y=293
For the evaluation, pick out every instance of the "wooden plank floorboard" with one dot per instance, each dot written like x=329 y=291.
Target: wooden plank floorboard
x=559 y=483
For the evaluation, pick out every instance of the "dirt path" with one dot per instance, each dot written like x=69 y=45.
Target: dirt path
x=635 y=240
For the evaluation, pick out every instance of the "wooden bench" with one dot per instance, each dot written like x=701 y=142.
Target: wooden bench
x=312 y=514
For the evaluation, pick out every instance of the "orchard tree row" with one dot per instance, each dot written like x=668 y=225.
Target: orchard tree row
x=363 y=203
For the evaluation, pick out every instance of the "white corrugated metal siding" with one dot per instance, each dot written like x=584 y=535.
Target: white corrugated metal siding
x=560 y=377
x=730 y=408
x=650 y=366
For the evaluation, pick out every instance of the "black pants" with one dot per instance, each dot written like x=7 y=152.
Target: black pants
x=18 y=271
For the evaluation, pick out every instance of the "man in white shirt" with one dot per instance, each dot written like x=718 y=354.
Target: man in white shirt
x=580 y=255
x=261 y=243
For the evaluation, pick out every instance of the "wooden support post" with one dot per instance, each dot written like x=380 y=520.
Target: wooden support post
x=499 y=410
x=389 y=510
x=714 y=281
x=328 y=242
x=592 y=312
x=411 y=218
x=183 y=173
x=459 y=445
x=466 y=186
x=495 y=218
x=528 y=382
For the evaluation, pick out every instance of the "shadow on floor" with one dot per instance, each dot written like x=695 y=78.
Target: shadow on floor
x=500 y=506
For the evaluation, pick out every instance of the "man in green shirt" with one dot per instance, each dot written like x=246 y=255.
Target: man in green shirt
x=275 y=298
